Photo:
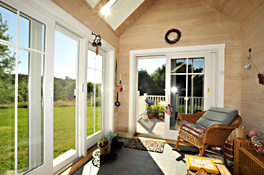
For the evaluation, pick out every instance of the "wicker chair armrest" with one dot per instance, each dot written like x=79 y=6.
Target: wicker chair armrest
x=216 y=135
x=191 y=117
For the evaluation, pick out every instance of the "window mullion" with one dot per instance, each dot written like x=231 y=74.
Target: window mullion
x=16 y=95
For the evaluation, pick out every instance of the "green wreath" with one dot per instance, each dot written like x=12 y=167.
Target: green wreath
x=174 y=40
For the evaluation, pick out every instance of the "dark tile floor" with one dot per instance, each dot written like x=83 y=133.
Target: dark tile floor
x=136 y=162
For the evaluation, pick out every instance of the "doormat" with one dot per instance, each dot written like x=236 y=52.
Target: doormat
x=147 y=145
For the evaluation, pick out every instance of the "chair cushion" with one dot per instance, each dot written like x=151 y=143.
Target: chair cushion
x=216 y=115
x=192 y=132
x=255 y=133
x=258 y=144
x=193 y=128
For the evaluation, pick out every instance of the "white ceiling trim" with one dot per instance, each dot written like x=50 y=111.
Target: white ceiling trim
x=93 y=3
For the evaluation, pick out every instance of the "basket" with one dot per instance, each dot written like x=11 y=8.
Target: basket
x=105 y=150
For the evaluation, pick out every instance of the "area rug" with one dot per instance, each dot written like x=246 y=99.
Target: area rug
x=147 y=145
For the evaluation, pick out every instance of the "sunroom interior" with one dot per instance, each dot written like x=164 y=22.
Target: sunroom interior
x=39 y=83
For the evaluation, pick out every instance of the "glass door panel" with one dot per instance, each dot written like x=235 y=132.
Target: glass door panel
x=30 y=118
x=94 y=92
x=187 y=88
x=65 y=68
x=7 y=110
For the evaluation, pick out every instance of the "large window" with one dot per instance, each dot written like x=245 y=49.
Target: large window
x=21 y=80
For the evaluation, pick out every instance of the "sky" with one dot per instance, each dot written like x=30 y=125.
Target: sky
x=151 y=64
x=23 y=55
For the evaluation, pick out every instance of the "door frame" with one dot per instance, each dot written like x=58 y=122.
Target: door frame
x=218 y=49
x=209 y=83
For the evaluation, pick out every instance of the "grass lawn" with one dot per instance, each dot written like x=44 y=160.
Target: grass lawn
x=64 y=134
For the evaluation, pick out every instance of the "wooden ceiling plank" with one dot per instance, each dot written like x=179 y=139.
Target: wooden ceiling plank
x=250 y=10
x=239 y=9
x=230 y=7
x=221 y=5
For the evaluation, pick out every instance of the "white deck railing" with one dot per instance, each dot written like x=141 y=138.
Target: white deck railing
x=157 y=99
x=196 y=103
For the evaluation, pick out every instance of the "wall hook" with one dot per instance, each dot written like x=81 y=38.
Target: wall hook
x=260 y=76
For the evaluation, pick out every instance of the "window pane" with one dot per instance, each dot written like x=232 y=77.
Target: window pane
x=196 y=65
x=31 y=33
x=99 y=62
x=195 y=93
x=7 y=110
x=94 y=93
x=8 y=22
x=64 y=101
x=178 y=100
x=178 y=65
x=30 y=123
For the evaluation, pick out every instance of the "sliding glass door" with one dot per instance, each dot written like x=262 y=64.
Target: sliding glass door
x=190 y=86
x=95 y=79
x=64 y=106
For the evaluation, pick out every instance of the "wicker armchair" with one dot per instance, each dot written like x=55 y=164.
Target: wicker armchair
x=214 y=135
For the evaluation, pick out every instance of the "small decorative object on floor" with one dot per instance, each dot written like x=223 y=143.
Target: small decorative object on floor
x=96 y=158
x=104 y=144
x=201 y=171
x=147 y=145
x=195 y=163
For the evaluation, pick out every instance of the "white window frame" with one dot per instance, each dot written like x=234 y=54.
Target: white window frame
x=46 y=167
x=50 y=14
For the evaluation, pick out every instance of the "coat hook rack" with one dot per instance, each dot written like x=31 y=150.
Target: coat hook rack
x=260 y=76
x=96 y=42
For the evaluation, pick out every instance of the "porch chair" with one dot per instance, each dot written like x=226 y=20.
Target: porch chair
x=209 y=128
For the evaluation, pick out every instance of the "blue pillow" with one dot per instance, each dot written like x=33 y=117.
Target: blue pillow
x=217 y=115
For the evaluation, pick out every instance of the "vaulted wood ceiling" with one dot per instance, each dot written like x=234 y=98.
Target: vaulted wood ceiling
x=238 y=10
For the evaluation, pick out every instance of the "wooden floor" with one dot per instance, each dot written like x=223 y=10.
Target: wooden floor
x=78 y=164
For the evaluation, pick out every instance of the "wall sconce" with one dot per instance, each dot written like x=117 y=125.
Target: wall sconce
x=260 y=76
x=96 y=42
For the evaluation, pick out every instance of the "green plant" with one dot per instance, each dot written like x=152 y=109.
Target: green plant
x=156 y=109
x=103 y=142
x=150 y=110
x=161 y=108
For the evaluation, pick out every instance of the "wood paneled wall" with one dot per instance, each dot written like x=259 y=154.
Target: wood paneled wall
x=252 y=97
x=200 y=24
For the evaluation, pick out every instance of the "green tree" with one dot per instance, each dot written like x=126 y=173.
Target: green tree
x=89 y=87
x=159 y=79
x=7 y=65
x=145 y=83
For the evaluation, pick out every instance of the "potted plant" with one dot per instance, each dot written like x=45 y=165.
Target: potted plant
x=150 y=112
x=104 y=144
x=161 y=111
x=156 y=111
